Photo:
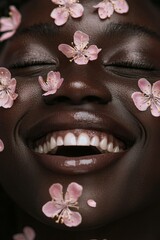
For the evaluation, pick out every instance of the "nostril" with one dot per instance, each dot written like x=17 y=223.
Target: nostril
x=94 y=99
x=59 y=100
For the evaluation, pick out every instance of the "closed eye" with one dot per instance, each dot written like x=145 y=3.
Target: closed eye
x=132 y=69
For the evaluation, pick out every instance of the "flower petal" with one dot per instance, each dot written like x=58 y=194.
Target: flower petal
x=59 y=2
x=56 y=192
x=120 y=6
x=1 y=145
x=91 y=203
x=155 y=109
x=74 y=220
x=76 y=10
x=6 y=24
x=29 y=233
x=92 y=52
x=16 y=16
x=67 y=50
x=80 y=39
x=145 y=86
x=140 y=101
x=60 y=15
x=19 y=236
x=51 y=209
x=156 y=89
x=5 y=76
x=105 y=9
x=6 y=35
x=74 y=191
x=82 y=60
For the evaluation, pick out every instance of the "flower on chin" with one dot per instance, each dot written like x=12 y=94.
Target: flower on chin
x=149 y=97
x=52 y=84
x=107 y=7
x=9 y=25
x=65 y=9
x=80 y=53
x=7 y=88
x=59 y=207
x=28 y=234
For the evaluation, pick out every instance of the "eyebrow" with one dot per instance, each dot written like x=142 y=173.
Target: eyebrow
x=131 y=29
x=51 y=29
x=39 y=29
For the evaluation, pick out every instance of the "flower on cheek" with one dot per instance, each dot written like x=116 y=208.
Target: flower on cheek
x=9 y=25
x=107 y=7
x=28 y=234
x=7 y=88
x=60 y=207
x=80 y=53
x=52 y=84
x=1 y=146
x=149 y=97
x=66 y=8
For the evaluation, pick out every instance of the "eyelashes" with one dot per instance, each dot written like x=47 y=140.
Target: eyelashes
x=131 y=65
x=34 y=63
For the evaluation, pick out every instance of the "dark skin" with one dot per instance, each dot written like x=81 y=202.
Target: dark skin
x=127 y=191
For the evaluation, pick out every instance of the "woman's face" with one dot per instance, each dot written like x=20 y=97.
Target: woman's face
x=94 y=99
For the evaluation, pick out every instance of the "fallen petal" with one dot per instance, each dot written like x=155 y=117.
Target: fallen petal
x=51 y=209
x=155 y=109
x=60 y=16
x=91 y=203
x=76 y=10
x=67 y=50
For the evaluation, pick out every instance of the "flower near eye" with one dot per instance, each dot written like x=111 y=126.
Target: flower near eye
x=80 y=53
x=107 y=7
x=59 y=207
x=149 y=97
x=9 y=25
x=65 y=9
x=52 y=84
x=7 y=88
x=28 y=234
x=1 y=145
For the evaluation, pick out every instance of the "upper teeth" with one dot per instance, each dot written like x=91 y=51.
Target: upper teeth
x=104 y=142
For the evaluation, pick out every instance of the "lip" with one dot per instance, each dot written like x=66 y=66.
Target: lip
x=77 y=165
x=68 y=120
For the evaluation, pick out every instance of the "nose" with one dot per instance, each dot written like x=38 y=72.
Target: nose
x=81 y=85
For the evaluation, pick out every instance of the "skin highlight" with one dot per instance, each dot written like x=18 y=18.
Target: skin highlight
x=96 y=96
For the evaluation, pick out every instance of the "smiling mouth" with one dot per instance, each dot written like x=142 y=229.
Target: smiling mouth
x=77 y=143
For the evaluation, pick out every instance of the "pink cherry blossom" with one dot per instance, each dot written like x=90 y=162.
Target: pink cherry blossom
x=9 y=25
x=149 y=97
x=65 y=9
x=52 y=84
x=59 y=207
x=1 y=146
x=91 y=203
x=28 y=234
x=7 y=88
x=80 y=53
x=107 y=7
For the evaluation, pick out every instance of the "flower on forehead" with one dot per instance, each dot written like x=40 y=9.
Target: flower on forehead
x=28 y=234
x=52 y=84
x=1 y=146
x=59 y=207
x=9 y=25
x=65 y=9
x=107 y=7
x=149 y=97
x=7 y=88
x=80 y=53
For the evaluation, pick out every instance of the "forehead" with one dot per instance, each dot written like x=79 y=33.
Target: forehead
x=144 y=13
